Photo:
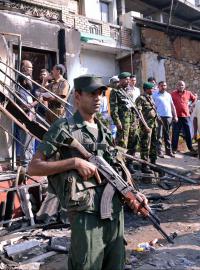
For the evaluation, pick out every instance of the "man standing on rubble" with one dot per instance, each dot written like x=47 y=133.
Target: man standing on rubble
x=167 y=113
x=96 y=243
x=181 y=98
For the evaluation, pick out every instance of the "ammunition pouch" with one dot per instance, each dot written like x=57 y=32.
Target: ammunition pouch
x=74 y=193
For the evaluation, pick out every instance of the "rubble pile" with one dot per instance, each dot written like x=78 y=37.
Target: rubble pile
x=29 y=249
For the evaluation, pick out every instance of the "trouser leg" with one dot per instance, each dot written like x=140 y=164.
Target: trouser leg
x=186 y=130
x=122 y=135
x=167 y=121
x=159 y=136
x=145 y=143
x=153 y=144
x=27 y=148
x=133 y=138
x=96 y=244
x=114 y=254
x=176 y=127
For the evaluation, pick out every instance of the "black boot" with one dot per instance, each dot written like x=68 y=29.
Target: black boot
x=146 y=169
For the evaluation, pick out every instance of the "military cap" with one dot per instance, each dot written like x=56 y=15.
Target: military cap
x=89 y=83
x=148 y=85
x=114 y=79
x=124 y=75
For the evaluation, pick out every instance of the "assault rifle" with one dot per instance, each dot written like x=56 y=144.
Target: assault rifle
x=132 y=106
x=116 y=182
x=157 y=168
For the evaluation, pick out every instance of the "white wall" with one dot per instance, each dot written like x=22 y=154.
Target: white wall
x=91 y=62
x=98 y=63
x=153 y=67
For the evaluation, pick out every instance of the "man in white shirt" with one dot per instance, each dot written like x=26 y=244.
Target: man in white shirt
x=166 y=110
x=196 y=123
x=133 y=91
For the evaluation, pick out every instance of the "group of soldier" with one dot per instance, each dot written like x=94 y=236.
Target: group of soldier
x=135 y=118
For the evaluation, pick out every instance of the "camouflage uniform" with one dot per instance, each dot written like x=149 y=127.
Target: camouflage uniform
x=121 y=113
x=95 y=243
x=148 y=141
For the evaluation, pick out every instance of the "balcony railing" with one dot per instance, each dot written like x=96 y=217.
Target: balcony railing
x=95 y=28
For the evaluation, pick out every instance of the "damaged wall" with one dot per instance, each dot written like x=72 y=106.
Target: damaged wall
x=180 y=56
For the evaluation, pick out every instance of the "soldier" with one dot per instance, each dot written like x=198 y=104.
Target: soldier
x=96 y=244
x=148 y=140
x=123 y=116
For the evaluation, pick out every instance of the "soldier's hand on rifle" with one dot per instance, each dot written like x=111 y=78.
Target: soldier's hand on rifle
x=139 y=203
x=142 y=198
x=86 y=169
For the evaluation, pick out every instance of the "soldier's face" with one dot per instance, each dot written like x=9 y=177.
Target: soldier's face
x=124 y=82
x=88 y=103
x=149 y=91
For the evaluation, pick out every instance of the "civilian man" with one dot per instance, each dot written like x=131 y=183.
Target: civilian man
x=181 y=98
x=166 y=110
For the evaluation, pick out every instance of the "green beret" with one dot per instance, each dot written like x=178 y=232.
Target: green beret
x=89 y=83
x=124 y=75
x=148 y=85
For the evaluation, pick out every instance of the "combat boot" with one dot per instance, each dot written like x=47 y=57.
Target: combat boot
x=146 y=169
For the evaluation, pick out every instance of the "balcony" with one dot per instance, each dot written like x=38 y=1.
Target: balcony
x=99 y=31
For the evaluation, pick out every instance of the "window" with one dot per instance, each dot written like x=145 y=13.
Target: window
x=104 y=9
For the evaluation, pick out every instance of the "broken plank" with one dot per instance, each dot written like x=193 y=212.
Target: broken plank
x=21 y=247
x=40 y=258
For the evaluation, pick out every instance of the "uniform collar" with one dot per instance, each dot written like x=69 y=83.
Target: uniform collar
x=80 y=122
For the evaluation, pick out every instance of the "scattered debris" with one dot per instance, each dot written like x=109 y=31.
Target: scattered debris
x=21 y=247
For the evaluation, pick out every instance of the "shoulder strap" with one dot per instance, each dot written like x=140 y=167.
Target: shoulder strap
x=76 y=133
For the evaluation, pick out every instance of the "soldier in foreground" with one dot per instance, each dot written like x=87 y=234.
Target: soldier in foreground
x=148 y=140
x=96 y=244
